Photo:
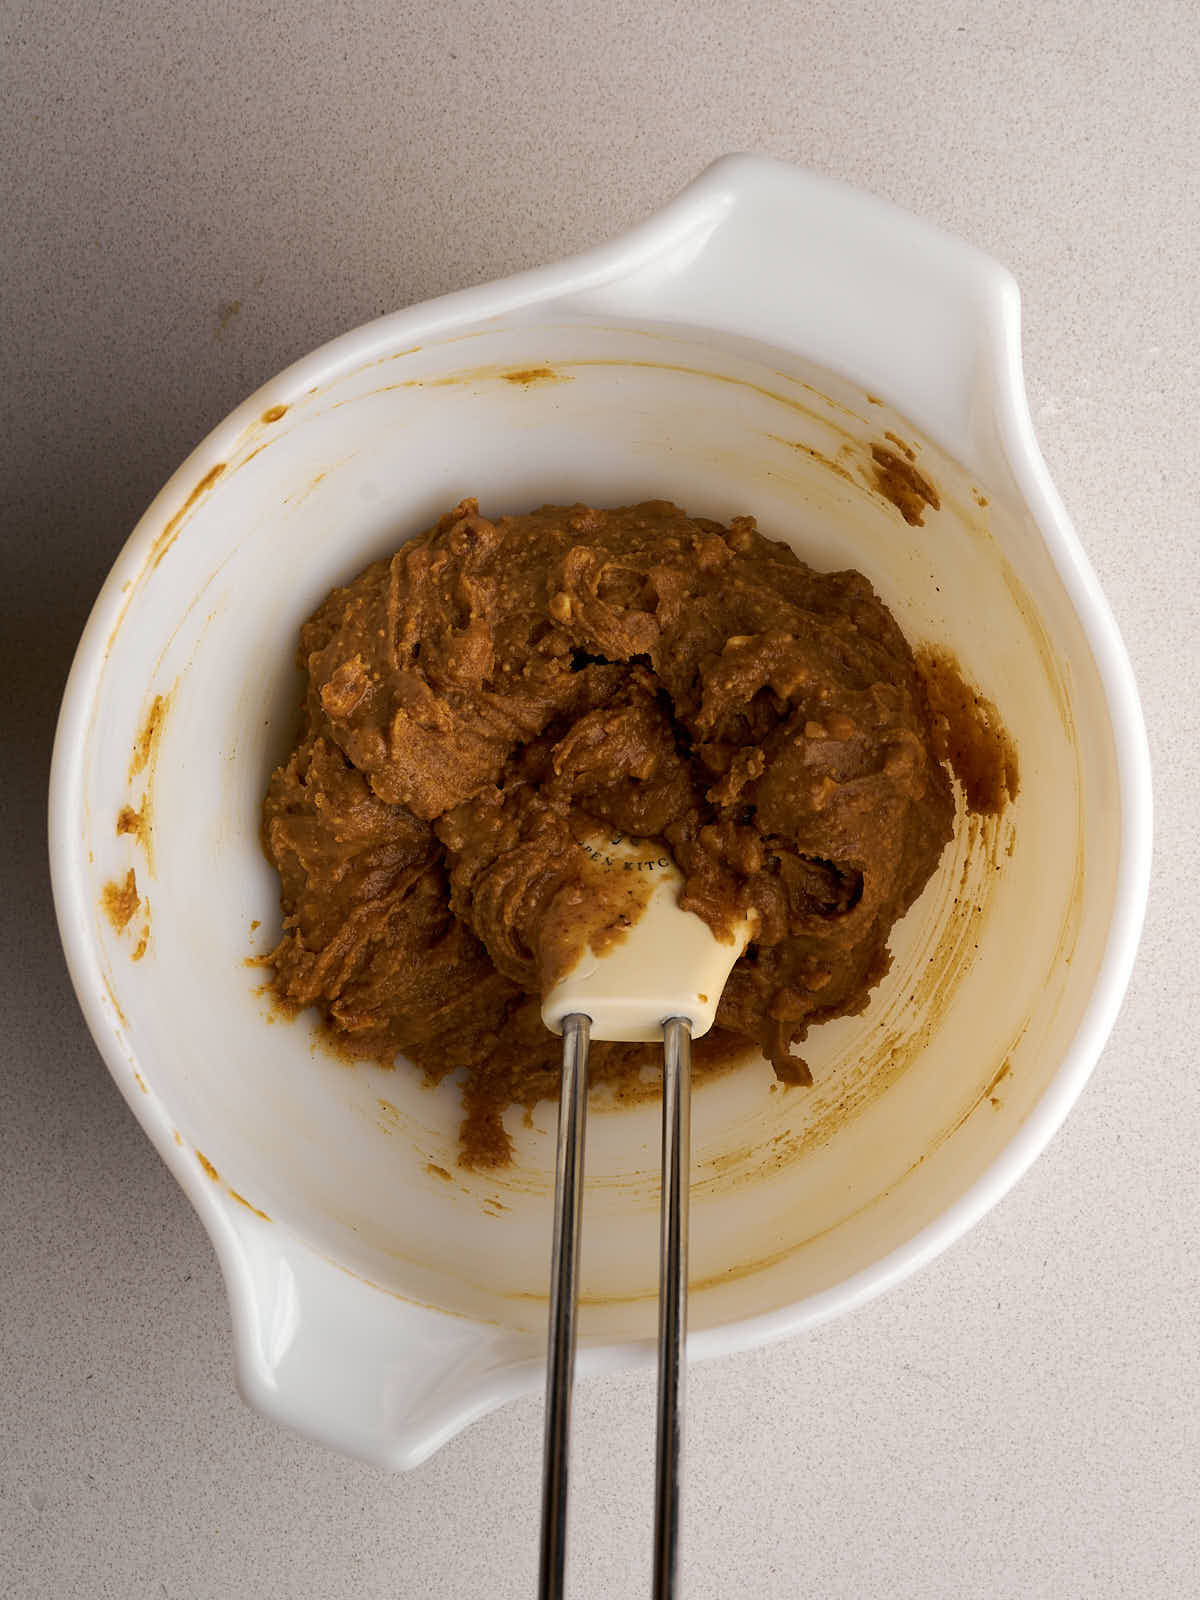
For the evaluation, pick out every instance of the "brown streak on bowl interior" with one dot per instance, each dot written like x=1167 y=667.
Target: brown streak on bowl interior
x=836 y=1101
x=273 y=414
x=909 y=490
x=1004 y=1072
x=138 y=825
x=120 y=901
x=968 y=734
x=148 y=736
x=133 y=822
x=815 y=455
x=257 y=451
x=528 y=375
x=242 y=1201
x=114 y=1002
x=167 y=537
x=749 y=1268
x=905 y=450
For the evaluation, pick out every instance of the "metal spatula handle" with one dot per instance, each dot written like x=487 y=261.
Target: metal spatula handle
x=672 y=1303
x=663 y=980
x=672 y=1300
x=564 y=1301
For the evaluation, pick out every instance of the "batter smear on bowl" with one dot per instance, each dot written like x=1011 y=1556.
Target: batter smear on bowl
x=487 y=705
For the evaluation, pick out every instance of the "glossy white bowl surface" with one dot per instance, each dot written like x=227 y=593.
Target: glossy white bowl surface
x=741 y=352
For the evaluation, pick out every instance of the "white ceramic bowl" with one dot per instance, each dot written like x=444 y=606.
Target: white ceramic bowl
x=738 y=353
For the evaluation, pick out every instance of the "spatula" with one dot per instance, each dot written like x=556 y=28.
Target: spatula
x=661 y=981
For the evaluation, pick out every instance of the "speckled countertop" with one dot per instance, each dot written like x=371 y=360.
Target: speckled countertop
x=195 y=195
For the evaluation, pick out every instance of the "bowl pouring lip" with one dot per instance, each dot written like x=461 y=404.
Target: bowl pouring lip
x=697 y=211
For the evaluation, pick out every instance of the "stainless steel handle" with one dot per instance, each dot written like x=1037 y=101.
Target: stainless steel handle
x=672 y=1301
x=564 y=1299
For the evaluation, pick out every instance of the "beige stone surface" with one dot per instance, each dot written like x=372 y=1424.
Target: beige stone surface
x=194 y=194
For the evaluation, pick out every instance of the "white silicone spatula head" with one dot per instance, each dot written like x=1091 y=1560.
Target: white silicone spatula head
x=669 y=963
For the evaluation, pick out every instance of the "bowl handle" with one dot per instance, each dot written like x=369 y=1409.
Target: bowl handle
x=359 y=1369
x=765 y=250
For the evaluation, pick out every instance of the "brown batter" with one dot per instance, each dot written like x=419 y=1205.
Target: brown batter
x=899 y=481
x=485 y=702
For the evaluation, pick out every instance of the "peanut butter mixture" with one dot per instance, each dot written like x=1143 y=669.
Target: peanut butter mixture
x=489 y=699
